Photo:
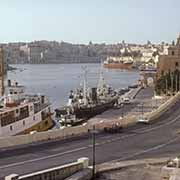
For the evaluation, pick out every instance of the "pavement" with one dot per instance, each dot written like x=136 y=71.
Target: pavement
x=143 y=103
x=159 y=139
x=144 y=171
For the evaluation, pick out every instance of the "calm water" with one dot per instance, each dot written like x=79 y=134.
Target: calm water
x=56 y=80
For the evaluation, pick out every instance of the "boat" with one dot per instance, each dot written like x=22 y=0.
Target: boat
x=84 y=104
x=119 y=63
x=21 y=113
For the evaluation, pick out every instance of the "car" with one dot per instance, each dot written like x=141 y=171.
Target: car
x=144 y=120
x=126 y=100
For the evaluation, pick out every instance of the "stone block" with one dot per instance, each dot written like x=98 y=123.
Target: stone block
x=84 y=161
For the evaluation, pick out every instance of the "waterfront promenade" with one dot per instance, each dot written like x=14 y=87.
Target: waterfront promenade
x=143 y=102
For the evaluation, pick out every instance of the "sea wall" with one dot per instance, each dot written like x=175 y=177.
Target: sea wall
x=60 y=134
x=163 y=108
x=68 y=132
x=56 y=173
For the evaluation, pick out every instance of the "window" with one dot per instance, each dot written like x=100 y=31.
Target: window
x=176 y=64
x=31 y=108
x=173 y=53
x=23 y=123
x=11 y=128
x=17 y=110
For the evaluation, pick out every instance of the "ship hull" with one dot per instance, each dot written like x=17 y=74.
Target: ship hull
x=85 y=113
x=43 y=125
x=119 y=66
x=89 y=112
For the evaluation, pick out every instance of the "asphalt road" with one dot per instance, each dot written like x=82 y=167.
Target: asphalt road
x=141 y=141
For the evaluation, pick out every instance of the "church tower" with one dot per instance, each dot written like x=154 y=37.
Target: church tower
x=1 y=71
x=178 y=41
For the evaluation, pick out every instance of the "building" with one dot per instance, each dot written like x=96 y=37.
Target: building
x=170 y=62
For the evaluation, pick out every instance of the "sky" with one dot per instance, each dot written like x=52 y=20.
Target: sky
x=81 y=21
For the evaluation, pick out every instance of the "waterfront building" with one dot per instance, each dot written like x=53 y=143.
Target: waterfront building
x=169 y=62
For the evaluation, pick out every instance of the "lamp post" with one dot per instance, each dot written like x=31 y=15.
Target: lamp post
x=93 y=132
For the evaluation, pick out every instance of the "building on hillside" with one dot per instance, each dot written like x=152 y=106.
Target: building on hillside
x=170 y=62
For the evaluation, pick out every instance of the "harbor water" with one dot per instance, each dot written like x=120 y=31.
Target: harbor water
x=56 y=80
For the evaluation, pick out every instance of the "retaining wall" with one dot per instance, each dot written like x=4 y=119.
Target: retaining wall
x=163 y=108
x=57 y=173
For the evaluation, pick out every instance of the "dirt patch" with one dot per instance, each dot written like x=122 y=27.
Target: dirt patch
x=149 y=172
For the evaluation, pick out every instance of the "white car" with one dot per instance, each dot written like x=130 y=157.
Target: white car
x=143 y=120
x=126 y=100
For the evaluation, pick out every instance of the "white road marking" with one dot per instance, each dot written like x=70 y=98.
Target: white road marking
x=42 y=158
x=150 y=149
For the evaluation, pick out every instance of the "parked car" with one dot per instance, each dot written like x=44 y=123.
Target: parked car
x=143 y=119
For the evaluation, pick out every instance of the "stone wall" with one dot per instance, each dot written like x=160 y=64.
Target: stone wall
x=163 y=108
x=56 y=173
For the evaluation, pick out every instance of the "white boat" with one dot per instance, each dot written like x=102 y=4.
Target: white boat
x=21 y=113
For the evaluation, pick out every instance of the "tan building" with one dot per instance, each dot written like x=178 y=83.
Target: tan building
x=171 y=61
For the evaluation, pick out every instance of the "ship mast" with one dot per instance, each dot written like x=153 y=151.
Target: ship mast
x=85 y=86
x=101 y=83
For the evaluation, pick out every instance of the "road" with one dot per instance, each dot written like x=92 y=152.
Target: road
x=141 y=141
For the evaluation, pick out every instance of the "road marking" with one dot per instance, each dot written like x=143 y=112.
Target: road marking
x=42 y=158
x=150 y=149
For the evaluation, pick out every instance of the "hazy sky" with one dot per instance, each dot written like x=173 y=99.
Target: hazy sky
x=80 y=21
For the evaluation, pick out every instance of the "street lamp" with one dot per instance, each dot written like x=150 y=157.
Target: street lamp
x=93 y=132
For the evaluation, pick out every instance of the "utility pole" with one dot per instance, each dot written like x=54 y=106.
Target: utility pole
x=94 y=152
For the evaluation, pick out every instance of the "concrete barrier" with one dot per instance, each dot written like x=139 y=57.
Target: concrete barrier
x=56 y=173
x=163 y=108
x=43 y=136
x=61 y=134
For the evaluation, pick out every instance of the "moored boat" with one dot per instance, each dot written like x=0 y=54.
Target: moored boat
x=119 y=63
x=86 y=103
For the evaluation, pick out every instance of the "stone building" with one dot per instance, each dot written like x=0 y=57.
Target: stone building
x=171 y=61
